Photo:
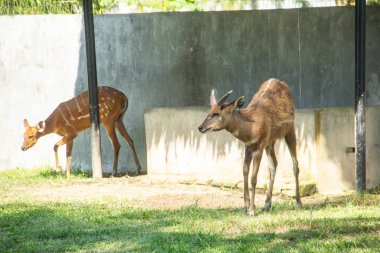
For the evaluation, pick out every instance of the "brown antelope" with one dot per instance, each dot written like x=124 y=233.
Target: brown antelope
x=73 y=116
x=269 y=116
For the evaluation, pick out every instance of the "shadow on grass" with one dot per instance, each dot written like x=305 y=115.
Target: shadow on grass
x=51 y=173
x=97 y=227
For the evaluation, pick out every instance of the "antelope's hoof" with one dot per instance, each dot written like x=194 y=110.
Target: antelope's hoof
x=250 y=212
x=58 y=168
x=267 y=207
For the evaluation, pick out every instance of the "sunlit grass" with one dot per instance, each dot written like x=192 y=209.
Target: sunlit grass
x=30 y=225
x=38 y=176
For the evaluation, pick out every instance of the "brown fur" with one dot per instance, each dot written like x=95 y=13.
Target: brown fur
x=268 y=116
x=73 y=116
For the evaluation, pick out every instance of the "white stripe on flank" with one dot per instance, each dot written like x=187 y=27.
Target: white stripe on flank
x=77 y=104
x=266 y=88
x=83 y=117
x=66 y=121
x=70 y=114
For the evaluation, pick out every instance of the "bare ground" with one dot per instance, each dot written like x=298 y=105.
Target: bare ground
x=146 y=192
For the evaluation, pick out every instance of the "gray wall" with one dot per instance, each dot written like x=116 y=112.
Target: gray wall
x=173 y=60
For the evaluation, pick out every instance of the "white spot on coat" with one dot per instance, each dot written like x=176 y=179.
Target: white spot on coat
x=248 y=143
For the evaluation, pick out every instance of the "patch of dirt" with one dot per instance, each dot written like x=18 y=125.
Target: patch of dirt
x=147 y=192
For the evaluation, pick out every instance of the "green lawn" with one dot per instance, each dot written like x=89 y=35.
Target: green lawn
x=30 y=225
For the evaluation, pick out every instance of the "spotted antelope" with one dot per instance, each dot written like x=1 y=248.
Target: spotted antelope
x=73 y=116
x=268 y=116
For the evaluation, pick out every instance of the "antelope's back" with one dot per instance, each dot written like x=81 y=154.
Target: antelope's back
x=274 y=98
x=112 y=103
x=75 y=112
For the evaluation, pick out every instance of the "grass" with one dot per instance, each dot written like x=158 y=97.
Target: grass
x=32 y=225
x=41 y=175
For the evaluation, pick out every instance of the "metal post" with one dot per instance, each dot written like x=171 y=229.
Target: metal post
x=360 y=95
x=92 y=89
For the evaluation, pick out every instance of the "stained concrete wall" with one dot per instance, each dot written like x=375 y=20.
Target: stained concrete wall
x=173 y=60
x=175 y=147
x=336 y=132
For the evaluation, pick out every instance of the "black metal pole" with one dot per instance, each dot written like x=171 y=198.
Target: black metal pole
x=92 y=89
x=360 y=6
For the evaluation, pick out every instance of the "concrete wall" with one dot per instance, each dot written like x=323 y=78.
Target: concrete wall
x=39 y=62
x=175 y=147
x=173 y=60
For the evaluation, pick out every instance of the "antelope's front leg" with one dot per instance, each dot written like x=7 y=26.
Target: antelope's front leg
x=272 y=171
x=247 y=163
x=256 y=165
x=56 y=146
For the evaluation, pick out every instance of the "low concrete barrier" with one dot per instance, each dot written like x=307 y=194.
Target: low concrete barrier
x=175 y=147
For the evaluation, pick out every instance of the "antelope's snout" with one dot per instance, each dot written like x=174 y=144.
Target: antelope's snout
x=202 y=129
x=26 y=145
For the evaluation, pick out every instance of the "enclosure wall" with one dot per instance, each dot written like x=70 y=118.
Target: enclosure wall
x=173 y=60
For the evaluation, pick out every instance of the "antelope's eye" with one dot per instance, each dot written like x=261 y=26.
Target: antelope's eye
x=31 y=137
x=216 y=114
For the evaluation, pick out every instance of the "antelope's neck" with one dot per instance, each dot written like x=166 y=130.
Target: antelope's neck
x=241 y=128
x=49 y=126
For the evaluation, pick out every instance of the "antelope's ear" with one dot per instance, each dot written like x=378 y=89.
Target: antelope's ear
x=212 y=98
x=238 y=103
x=41 y=126
x=26 y=124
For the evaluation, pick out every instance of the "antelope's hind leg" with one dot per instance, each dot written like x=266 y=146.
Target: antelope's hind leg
x=290 y=140
x=110 y=129
x=69 y=148
x=120 y=126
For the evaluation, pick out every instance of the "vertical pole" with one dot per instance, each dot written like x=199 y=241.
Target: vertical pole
x=92 y=89
x=360 y=6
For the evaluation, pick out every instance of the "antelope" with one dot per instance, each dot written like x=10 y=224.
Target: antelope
x=269 y=116
x=73 y=116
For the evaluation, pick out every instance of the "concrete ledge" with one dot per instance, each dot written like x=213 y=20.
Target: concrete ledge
x=175 y=147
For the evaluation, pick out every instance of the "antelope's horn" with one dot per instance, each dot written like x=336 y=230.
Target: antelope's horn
x=224 y=98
